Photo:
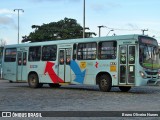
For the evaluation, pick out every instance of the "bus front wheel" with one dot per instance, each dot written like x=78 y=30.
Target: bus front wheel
x=105 y=83
x=33 y=81
x=124 y=88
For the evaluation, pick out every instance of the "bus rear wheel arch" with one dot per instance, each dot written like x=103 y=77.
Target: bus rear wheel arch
x=105 y=82
x=33 y=81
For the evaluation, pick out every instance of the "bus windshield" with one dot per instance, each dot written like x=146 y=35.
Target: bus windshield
x=148 y=54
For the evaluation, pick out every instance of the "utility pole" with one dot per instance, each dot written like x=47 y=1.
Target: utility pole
x=18 y=20
x=84 y=5
x=143 y=30
x=100 y=29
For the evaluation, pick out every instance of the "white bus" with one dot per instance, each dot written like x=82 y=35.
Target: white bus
x=1 y=56
x=121 y=61
x=159 y=63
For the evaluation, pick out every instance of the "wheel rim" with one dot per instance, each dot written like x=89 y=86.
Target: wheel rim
x=32 y=80
x=104 y=82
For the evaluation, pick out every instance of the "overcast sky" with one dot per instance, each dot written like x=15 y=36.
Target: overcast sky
x=124 y=16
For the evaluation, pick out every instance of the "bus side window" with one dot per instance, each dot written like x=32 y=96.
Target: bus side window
x=107 y=50
x=61 y=60
x=123 y=52
x=34 y=53
x=68 y=56
x=87 y=51
x=19 y=58
x=74 y=51
x=10 y=55
x=24 y=58
x=131 y=54
x=49 y=53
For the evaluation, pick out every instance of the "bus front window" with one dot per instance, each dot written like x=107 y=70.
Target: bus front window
x=148 y=56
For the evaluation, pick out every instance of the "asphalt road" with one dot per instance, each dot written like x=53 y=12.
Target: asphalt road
x=19 y=97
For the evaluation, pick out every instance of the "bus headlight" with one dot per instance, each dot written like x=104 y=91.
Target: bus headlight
x=142 y=74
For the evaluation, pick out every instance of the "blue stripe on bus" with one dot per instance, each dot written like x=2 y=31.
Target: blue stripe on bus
x=77 y=71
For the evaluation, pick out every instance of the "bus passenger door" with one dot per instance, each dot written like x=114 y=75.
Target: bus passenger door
x=21 y=65
x=127 y=64
x=64 y=70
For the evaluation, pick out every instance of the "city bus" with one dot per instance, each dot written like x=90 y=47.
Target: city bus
x=159 y=63
x=1 y=56
x=122 y=61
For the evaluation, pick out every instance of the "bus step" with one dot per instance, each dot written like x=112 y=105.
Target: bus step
x=64 y=83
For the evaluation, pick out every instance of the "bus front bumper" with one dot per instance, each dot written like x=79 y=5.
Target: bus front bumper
x=153 y=82
x=158 y=82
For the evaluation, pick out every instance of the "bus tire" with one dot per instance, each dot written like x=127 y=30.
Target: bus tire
x=105 y=83
x=54 y=85
x=33 y=81
x=124 y=88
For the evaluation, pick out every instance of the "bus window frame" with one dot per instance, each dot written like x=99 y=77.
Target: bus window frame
x=15 y=55
x=87 y=51
x=110 y=50
x=54 y=52
x=32 y=57
x=75 y=51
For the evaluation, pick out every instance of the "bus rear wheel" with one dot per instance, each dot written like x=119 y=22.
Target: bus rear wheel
x=33 y=81
x=124 y=88
x=54 y=85
x=105 y=83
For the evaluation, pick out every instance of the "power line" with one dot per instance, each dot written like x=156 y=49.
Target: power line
x=123 y=29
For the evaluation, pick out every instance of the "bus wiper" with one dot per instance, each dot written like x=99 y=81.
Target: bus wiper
x=150 y=54
x=147 y=50
x=152 y=58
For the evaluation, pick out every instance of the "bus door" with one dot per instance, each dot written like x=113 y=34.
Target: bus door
x=64 y=71
x=127 y=64
x=21 y=65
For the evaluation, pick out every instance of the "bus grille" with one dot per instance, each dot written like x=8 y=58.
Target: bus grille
x=151 y=73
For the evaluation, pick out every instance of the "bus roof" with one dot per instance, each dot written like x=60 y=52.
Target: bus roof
x=67 y=41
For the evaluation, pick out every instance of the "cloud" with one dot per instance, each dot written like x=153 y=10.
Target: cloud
x=49 y=0
x=97 y=7
x=6 y=21
x=6 y=11
x=114 y=5
x=132 y=26
x=55 y=0
x=101 y=7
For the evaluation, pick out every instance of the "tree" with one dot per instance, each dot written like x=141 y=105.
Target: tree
x=2 y=43
x=63 y=29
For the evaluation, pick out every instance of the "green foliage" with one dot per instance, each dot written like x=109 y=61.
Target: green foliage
x=63 y=29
